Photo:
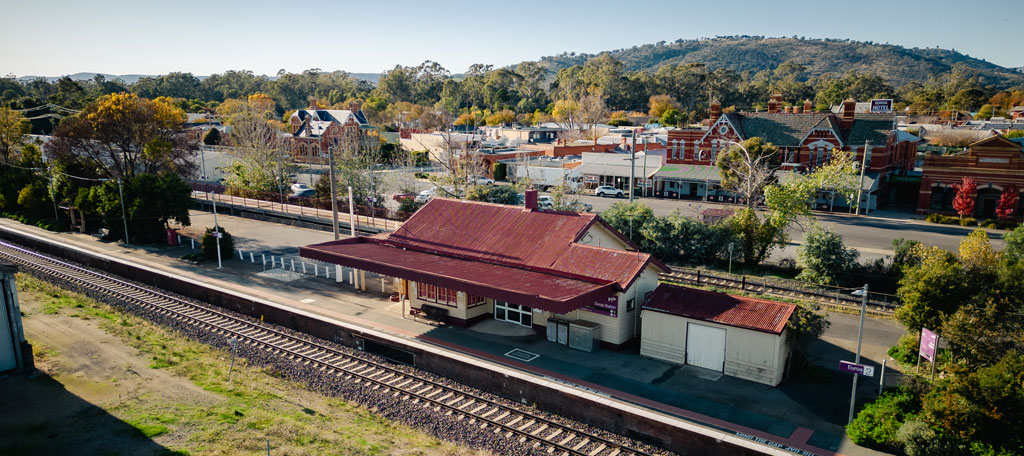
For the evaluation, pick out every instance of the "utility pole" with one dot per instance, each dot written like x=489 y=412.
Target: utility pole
x=124 y=215
x=632 y=166
x=863 y=165
x=334 y=195
x=53 y=194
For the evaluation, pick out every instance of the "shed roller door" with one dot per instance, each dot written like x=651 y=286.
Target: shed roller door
x=705 y=347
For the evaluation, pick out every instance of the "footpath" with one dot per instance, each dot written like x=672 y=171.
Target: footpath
x=805 y=417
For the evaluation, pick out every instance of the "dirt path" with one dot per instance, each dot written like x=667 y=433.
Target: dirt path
x=110 y=383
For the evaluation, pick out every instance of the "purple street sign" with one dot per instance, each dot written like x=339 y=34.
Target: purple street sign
x=928 y=342
x=859 y=369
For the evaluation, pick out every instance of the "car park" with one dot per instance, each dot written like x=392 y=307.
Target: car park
x=608 y=190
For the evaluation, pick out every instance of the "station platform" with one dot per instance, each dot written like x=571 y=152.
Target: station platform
x=805 y=415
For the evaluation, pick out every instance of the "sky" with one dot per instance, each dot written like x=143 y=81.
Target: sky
x=59 y=37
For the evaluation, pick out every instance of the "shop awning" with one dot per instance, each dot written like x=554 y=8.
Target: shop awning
x=689 y=173
x=518 y=286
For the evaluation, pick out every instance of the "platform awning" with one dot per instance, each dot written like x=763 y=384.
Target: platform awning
x=518 y=286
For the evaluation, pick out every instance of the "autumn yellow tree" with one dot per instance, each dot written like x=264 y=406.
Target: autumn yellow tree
x=501 y=117
x=977 y=254
x=121 y=135
x=13 y=128
x=658 y=104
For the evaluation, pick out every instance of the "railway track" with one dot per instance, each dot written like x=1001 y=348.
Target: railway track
x=530 y=429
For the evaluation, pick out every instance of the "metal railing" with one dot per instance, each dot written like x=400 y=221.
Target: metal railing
x=826 y=295
x=317 y=208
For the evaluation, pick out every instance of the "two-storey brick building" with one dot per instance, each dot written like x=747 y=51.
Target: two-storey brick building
x=315 y=130
x=995 y=164
x=806 y=139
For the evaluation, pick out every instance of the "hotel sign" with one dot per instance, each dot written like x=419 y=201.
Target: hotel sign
x=881 y=105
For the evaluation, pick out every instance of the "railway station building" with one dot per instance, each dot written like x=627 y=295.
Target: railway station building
x=466 y=261
x=739 y=336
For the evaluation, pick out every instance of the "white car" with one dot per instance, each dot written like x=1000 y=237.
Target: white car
x=545 y=202
x=480 y=180
x=425 y=195
x=298 y=187
x=608 y=190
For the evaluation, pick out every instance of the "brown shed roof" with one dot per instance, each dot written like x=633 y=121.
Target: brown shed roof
x=739 y=311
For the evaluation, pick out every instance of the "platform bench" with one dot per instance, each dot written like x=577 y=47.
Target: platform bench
x=435 y=313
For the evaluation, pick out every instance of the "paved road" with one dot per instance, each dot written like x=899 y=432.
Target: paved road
x=871 y=235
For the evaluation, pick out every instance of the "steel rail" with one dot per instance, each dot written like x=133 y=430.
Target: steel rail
x=438 y=395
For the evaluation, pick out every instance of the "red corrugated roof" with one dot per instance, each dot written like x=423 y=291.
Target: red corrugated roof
x=740 y=311
x=526 y=257
x=535 y=289
x=512 y=236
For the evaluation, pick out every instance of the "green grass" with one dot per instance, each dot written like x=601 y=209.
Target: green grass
x=254 y=406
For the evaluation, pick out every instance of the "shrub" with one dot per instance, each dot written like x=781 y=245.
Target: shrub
x=906 y=350
x=878 y=423
x=212 y=137
x=967 y=221
x=918 y=439
x=227 y=244
x=500 y=171
x=419 y=175
x=409 y=206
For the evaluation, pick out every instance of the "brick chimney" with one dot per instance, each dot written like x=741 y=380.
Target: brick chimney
x=355 y=106
x=775 y=103
x=808 y=107
x=846 y=121
x=530 y=200
x=715 y=111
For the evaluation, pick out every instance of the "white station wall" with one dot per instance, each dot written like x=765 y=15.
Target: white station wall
x=752 y=355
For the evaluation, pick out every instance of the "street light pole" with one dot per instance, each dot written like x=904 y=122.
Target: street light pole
x=213 y=198
x=124 y=215
x=860 y=338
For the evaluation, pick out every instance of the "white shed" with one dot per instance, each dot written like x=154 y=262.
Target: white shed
x=738 y=336
x=13 y=348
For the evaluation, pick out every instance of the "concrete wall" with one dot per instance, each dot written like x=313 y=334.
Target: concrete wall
x=672 y=434
x=751 y=355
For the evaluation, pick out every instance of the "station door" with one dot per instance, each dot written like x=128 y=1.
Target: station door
x=705 y=347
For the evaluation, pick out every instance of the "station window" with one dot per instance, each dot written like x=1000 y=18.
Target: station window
x=630 y=305
x=474 y=300
x=440 y=295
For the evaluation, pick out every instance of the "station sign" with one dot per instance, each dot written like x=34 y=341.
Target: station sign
x=859 y=369
x=928 y=342
x=881 y=105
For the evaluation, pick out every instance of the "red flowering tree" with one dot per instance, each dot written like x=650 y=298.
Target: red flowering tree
x=1008 y=202
x=964 y=200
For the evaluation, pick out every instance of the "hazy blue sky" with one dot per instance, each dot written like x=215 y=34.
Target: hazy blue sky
x=57 y=37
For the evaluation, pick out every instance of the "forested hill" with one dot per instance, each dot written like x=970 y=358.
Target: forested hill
x=897 y=64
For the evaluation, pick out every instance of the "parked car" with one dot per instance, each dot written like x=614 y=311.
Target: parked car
x=580 y=206
x=545 y=202
x=298 y=186
x=403 y=196
x=304 y=193
x=480 y=180
x=425 y=195
x=606 y=190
